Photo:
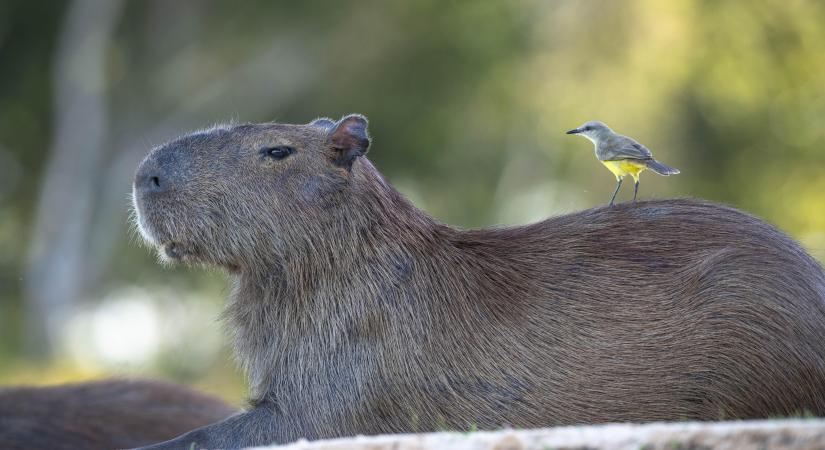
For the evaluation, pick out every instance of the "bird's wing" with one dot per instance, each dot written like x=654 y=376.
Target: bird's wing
x=625 y=148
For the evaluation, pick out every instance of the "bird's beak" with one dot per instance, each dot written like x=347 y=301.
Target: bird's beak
x=574 y=131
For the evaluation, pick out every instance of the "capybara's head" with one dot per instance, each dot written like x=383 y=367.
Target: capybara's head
x=237 y=194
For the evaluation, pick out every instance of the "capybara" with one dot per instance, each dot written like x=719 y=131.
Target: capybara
x=102 y=415
x=354 y=312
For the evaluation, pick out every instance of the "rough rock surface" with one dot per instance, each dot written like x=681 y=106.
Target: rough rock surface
x=807 y=434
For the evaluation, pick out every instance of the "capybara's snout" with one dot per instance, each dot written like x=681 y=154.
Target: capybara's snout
x=150 y=179
x=162 y=171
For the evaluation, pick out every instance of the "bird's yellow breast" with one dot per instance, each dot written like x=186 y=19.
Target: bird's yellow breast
x=624 y=167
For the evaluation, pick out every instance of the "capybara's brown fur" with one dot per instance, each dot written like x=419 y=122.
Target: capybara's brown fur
x=353 y=312
x=102 y=414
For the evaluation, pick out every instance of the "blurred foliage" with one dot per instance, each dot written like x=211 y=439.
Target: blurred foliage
x=468 y=101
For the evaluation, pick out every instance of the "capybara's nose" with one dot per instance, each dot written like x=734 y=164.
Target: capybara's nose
x=149 y=179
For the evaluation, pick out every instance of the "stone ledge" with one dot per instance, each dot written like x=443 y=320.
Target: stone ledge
x=796 y=434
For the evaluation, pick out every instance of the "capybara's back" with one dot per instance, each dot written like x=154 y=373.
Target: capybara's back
x=102 y=415
x=669 y=310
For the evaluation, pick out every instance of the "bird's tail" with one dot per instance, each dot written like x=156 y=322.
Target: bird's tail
x=660 y=168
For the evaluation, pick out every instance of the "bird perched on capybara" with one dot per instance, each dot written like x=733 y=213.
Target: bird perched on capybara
x=102 y=414
x=621 y=155
x=354 y=312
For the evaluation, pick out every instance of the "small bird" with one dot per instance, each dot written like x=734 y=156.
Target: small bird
x=621 y=155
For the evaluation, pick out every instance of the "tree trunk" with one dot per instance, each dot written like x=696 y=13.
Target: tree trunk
x=55 y=273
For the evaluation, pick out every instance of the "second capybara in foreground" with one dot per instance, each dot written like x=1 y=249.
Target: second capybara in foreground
x=102 y=415
x=354 y=312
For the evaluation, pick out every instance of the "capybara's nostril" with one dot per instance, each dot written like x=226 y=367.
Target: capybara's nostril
x=162 y=172
x=150 y=180
x=150 y=183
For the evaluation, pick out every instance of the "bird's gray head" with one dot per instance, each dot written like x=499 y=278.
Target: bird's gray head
x=593 y=130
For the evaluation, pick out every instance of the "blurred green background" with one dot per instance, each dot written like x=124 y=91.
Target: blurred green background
x=467 y=100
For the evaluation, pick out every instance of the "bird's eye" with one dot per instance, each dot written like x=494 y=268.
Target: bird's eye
x=588 y=128
x=279 y=152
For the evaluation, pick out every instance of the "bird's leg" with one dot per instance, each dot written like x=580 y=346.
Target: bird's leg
x=635 y=191
x=616 y=191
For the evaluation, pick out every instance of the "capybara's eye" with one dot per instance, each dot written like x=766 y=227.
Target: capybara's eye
x=279 y=152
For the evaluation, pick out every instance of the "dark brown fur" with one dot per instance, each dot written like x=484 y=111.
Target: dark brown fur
x=102 y=415
x=353 y=312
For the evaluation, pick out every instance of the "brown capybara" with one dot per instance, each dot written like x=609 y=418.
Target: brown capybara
x=102 y=414
x=354 y=312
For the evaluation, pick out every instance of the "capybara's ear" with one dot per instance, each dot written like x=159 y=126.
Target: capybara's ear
x=323 y=122
x=348 y=139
